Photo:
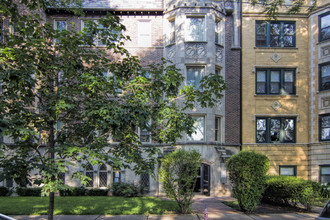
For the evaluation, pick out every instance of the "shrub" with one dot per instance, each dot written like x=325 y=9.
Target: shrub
x=97 y=192
x=247 y=173
x=290 y=190
x=178 y=174
x=4 y=191
x=125 y=189
x=73 y=191
x=23 y=191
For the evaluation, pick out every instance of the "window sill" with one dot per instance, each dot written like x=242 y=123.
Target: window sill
x=276 y=48
x=263 y=96
x=168 y=45
x=220 y=45
x=323 y=41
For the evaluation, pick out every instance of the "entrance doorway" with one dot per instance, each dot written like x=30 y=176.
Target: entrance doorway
x=203 y=182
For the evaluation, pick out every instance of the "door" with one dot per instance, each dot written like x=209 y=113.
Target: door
x=203 y=182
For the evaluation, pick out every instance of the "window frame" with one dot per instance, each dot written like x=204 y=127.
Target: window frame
x=320 y=127
x=320 y=76
x=92 y=172
x=281 y=35
x=219 y=31
x=288 y=166
x=202 y=73
x=188 y=35
x=104 y=171
x=320 y=24
x=190 y=138
x=217 y=129
x=114 y=176
x=320 y=173
x=281 y=131
x=281 y=82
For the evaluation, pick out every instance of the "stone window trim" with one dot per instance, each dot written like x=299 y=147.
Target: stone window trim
x=275 y=129
x=324 y=84
x=283 y=168
x=323 y=175
x=324 y=32
x=284 y=85
x=264 y=37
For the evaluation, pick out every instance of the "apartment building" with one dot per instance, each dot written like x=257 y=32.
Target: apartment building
x=199 y=37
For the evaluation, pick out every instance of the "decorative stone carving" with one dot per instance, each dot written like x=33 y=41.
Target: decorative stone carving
x=195 y=50
x=325 y=51
x=276 y=57
x=171 y=52
x=219 y=55
x=325 y=102
x=276 y=105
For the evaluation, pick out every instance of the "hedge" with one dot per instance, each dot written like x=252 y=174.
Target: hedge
x=28 y=191
x=4 y=191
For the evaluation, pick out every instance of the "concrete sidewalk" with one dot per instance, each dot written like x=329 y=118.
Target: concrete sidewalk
x=216 y=210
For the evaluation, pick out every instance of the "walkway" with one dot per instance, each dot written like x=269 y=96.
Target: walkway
x=216 y=210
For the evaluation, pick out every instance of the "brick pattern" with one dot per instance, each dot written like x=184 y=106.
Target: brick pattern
x=233 y=91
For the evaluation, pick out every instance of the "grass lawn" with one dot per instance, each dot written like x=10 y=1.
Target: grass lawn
x=86 y=205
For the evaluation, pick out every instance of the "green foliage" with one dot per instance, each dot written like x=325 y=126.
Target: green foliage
x=126 y=189
x=178 y=175
x=97 y=192
x=4 y=191
x=247 y=173
x=23 y=191
x=290 y=190
x=73 y=191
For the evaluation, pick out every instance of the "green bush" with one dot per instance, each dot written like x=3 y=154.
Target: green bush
x=4 y=191
x=178 y=174
x=290 y=190
x=73 y=191
x=247 y=173
x=125 y=189
x=97 y=192
x=23 y=191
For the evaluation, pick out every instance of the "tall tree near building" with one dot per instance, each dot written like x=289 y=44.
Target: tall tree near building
x=60 y=107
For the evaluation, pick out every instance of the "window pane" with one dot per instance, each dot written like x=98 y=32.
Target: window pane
x=325 y=170
x=144 y=135
x=275 y=126
x=194 y=76
x=116 y=176
x=90 y=183
x=61 y=25
x=261 y=82
x=261 y=34
x=287 y=171
x=103 y=179
x=195 y=29
x=217 y=129
x=275 y=82
x=325 y=76
x=145 y=180
x=288 y=128
x=325 y=127
x=275 y=35
x=198 y=134
x=261 y=130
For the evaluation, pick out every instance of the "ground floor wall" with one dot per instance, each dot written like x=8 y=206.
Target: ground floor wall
x=320 y=162
x=283 y=156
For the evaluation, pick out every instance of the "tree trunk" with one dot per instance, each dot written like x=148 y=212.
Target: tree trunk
x=51 y=206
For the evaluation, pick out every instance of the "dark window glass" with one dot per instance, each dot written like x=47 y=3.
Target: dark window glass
x=325 y=174
x=145 y=180
x=90 y=174
x=288 y=170
x=324 y=123
x=276 y=81
x=275 y=34
x=103 y=176
x=275 y=130
x=324 y=76
x=324 y=26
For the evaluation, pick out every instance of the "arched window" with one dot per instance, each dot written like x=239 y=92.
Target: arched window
x=103 y=176
x=90 y=174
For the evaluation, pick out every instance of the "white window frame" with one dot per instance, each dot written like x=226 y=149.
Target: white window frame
x=144 y=33
x=191 y=138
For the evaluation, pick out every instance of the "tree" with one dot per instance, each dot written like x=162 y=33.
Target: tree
x=178 y=175
x=60 y=107
x=247 y=173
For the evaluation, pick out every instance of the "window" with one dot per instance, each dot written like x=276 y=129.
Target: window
x=171 y=37
x=325 y=174
x=324 y=27
x=219 y=32
x=97 y=38
x=144 y=135
x=275 y=34
x=275 y=130
x=324 y=70
x=103 y=176
x=195 y=29
x=288 y=170
x=217 y=129
x=60 y=25
x=194 y=76
x=276 y=81
x=324 y=127
x=116 y=176
x=144 y=34
x=90 y=174
x=199 y=127
x=145 y=180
